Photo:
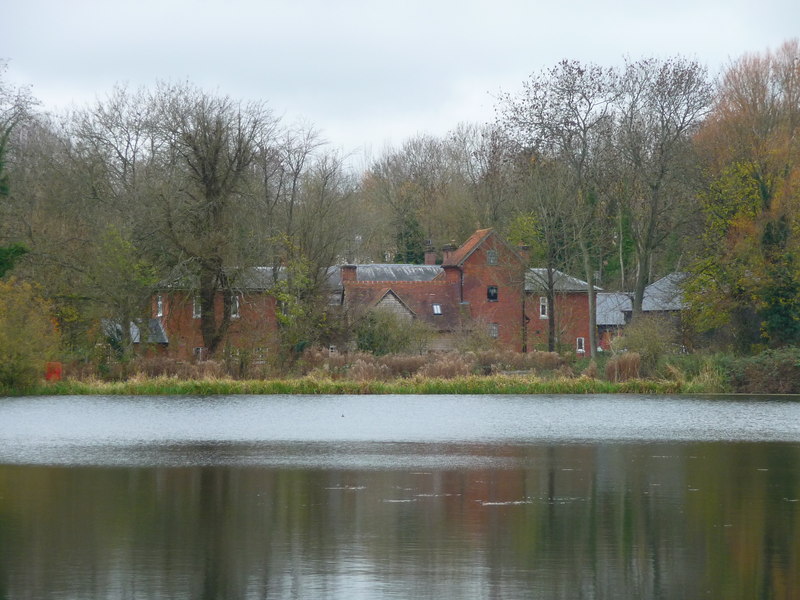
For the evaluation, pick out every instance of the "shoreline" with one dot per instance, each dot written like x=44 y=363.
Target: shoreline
x=473 y=384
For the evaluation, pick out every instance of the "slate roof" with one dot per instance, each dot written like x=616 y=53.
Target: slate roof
x=536 y=281
x=611 y=308
x=664 y=294
x=394 y=272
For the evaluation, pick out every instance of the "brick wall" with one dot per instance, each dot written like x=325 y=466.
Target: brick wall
x=572 y=321
x=255 y=327
x=506 y=275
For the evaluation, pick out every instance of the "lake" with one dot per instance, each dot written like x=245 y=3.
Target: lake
x=399 y=497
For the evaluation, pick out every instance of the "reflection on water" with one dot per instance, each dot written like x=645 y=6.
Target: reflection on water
x=345 y=516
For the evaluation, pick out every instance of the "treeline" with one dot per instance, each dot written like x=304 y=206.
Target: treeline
x=616 y=175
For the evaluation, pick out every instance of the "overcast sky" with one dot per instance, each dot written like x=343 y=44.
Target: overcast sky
x=365 y=73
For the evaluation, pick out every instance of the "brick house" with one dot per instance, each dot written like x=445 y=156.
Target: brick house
x=570 y=310
x=483 y=285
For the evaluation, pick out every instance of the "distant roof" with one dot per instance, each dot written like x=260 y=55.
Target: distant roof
x=536 y=281
x=247 y=278
x=611 y=307
x=395 y=272
x=664 y=294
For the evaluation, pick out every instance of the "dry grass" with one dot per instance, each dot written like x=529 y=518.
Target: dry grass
x=447 y=366
x=623 y=367
x=490 y=371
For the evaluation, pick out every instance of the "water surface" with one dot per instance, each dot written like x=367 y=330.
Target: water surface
x=399 y=497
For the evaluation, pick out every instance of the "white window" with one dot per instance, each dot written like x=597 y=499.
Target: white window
x=494 y=330
x=491 y=257
x=437 y=309
x=197 y=311
x=159 y=306
x=580 y=345
x=234 y=306
x=542 y=307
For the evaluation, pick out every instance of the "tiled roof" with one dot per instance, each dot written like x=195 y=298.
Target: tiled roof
x=457 y=257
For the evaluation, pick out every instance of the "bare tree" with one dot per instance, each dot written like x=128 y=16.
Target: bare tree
x=543 y=214
x=210 y=146
x=565 y=114
x=660 y=105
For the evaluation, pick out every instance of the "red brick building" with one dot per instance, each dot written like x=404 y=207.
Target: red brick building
x=482 y=285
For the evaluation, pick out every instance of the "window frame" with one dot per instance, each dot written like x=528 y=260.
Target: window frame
x=437 y=309
x=159 y=305
x=493 y=329
x=580 y=345
x=197 y=309
x=491 y=257
x=492 y=294
x=544 y=308
x=235 y=307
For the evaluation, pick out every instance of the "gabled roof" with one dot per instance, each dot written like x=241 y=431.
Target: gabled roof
x=418 y=297
x=458 y=256
x=536 y=281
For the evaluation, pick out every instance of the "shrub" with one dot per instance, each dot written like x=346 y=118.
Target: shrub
x=623 y=367
x=591 y=370
x=380 y=332
x=649 y=336
x=770 y=372
x=28 y=335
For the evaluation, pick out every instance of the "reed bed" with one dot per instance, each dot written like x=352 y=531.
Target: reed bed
x=463 y=384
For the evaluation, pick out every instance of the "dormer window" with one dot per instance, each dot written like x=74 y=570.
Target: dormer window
x=491 y=257
x=437 y=309
x=491 y=293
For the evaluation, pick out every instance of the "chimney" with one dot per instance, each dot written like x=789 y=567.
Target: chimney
x=447 y=252
x=430 y=255
x=525 y=252
x=348 y=273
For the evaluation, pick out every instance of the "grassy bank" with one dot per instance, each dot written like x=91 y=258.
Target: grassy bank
x=471 y=384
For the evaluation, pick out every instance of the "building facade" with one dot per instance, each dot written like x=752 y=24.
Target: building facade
x=483 y=286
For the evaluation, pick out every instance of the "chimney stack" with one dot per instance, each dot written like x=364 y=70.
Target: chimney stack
x=430 y=255
x=447 y=252
x=525 y=252
x=348 y=272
